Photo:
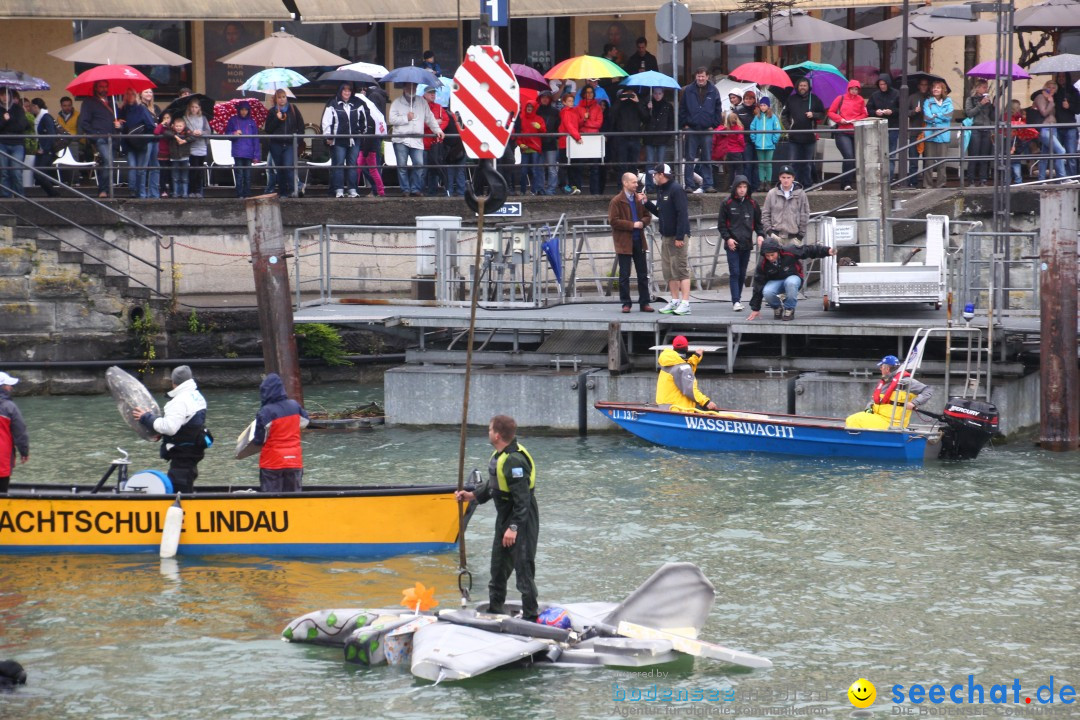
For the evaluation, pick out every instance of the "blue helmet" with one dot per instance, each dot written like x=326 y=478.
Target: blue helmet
x=556 y=617
x=890 y=360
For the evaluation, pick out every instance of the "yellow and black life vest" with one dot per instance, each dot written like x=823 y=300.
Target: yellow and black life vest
x=500 y=464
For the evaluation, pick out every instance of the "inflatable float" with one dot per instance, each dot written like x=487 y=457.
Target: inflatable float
x=657 y=623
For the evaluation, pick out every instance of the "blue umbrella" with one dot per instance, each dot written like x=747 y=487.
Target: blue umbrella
x=598 y=94
x=410 y=74
x=554 y=258
x=18 y=80
x=651 y=78
x=442 y=91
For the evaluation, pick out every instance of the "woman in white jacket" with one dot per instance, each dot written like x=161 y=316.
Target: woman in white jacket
x=341 y=119
x=408 y=116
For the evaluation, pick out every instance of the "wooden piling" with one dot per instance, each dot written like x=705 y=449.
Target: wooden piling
x=872 y=183
x=1059 y=412
x=267 y=237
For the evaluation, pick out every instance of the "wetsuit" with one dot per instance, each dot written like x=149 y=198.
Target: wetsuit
x=511 y=483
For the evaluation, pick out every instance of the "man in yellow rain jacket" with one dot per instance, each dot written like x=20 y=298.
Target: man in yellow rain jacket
x=880 y=412
x=676 y=385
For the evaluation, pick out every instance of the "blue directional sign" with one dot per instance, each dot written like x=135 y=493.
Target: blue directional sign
x=499 y=10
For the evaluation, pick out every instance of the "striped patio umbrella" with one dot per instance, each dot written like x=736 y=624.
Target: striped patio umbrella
x=585 y=66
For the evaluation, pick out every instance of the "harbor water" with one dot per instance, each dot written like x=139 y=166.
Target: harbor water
x=834 y=570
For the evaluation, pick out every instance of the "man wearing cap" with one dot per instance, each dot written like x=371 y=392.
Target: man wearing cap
x=182 y=429
x=780 y=272
x=786 y=210
x=13 y=434
x=676 y=385
x=628 y=218
x=673 y=211
x=895 y=396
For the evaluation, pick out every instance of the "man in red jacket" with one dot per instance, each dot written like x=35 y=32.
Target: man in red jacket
x=277 y=429
x=12 y=432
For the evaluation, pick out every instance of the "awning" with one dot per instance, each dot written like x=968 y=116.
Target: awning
x=142 y=10
x=321 y=11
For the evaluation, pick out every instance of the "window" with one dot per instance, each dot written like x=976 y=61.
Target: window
x=712 y=54
x=172 y=35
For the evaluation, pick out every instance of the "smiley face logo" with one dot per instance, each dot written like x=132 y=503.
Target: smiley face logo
x=862 y=693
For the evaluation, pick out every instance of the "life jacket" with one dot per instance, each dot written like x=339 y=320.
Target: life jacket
x=887 y=386
x=500 y=464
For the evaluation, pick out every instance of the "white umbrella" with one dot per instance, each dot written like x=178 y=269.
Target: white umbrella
x=117 y=46
x=922 y=25
x=375 y=71
x=1066 y=62
x=787 y=27
x=282 y=50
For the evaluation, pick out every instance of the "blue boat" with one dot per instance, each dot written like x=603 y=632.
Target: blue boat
x=732 y=431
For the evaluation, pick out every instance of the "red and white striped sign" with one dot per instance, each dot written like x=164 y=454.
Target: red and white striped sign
x=485 y=100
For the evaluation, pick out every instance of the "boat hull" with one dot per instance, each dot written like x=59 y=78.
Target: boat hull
x=355 y=522
x=761 y=433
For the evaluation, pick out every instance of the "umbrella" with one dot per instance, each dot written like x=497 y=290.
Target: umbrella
x=273 y=79
x=554 y=258
x=118 y=45
x=442 y=91
x=1048 y=14
x=179 y=106
x=529 y=77
x=915 y=77
x=787 y=27
x=599 y=94
x=18 y=80
x=991 y=69
x=120 y=78
x=922 y=25
x=826 y=82
x=585 y=66
x=651 y=78
x=282 y=50
x=528 y=95
x=1066 y=62
x=410 y=74
x=762 y=74
x=375 y=71
x=225 y=110
x=345 y=76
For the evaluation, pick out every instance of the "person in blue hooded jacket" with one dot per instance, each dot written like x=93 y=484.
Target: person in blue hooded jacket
x=277 y=429
x=244 y=134
x=700 y=111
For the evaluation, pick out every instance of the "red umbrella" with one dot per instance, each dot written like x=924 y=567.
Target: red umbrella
x=121 y=78
x=225 y=110
x=528 y=95
x=528 y=77
x=762 y=74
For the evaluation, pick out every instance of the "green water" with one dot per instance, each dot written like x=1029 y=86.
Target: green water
x=834 y=570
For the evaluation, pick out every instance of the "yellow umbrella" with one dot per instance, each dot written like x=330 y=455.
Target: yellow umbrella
x=585 y=66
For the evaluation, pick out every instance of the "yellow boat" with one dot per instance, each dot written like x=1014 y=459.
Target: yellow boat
x=323 y=521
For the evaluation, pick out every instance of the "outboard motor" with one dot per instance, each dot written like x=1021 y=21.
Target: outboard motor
x=969 y=425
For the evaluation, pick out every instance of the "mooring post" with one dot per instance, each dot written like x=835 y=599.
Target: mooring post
x=267 y=238
x=871 y=182
x=1059 y=411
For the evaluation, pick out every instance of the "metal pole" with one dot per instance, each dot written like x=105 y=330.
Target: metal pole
x=902 y=163
x=675 y=74
x=1059 y=413
x=267 y=239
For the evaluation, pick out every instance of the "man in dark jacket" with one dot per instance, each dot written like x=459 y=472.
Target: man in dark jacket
x=13 y=436
x=884 y=103
x=641 y=60
x=780 y=272
x=658 y=126
x=45 y=127
x=740 y=225
x=673 y=211
x=13 y=122
x=628 y=218
x=511 y=484
x=629 y=114
x=277 y=428
x=801 y=114
x=96 y=117
x=700 y=112
x=549 y=146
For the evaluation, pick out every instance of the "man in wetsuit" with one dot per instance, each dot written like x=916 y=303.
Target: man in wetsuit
x=511 y=483
x=182 y=429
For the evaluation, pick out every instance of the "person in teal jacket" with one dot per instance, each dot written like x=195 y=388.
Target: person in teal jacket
x=938 y=112
x=765 y=134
